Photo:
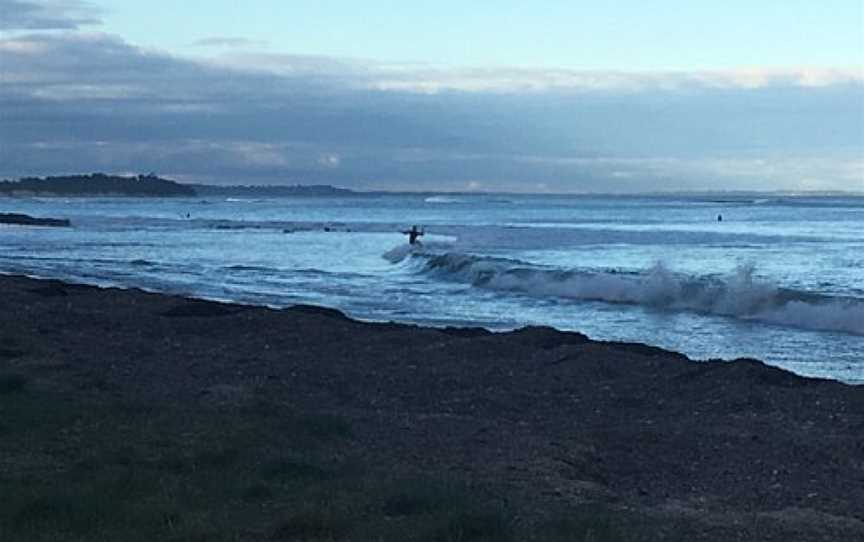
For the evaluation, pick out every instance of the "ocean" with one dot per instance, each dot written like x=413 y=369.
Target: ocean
x=779 y=278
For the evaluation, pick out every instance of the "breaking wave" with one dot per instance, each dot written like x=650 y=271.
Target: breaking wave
x=738 y=295
x=443 y=199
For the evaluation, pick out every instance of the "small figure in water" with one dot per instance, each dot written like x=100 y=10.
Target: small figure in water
x=719 y=218
x=413 y=235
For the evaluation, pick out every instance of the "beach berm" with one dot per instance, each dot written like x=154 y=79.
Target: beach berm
x=127 y=415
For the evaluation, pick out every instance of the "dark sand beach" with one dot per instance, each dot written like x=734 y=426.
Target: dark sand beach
x=127 y=415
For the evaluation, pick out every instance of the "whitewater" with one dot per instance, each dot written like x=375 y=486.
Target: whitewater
x=779 y=278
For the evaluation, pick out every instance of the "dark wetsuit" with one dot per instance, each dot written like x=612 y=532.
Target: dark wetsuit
x=413 y=234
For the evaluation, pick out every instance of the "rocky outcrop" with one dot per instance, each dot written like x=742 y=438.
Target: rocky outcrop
x=27 y=220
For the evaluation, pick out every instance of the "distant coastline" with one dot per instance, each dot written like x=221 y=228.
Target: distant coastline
x=150 y=185
x=95 y=184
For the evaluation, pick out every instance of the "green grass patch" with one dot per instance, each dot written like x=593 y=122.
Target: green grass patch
x=290 y=469
x=324 y=426
x=13 y=383
x=11 y=346
x=218 y=458
x=257 y=492
x=319 y=523
x=410 y=498
x=472 y=526
x=81 y=465
x=72 y=513
x=592 y=523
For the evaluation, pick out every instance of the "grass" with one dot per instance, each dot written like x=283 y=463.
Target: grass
x=589 y=523
x=473 y=526
x=289 y=469
x=420 y=497
x=13 y=383
x=78 y=467
x=80 y=464
x=313 y=524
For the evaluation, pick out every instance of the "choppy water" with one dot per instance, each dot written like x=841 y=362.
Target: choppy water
x=780 y=278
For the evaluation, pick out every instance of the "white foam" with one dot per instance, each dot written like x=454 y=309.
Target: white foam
x=443 y=199
x=739 y=295
x=399 y=253
x=832 y=316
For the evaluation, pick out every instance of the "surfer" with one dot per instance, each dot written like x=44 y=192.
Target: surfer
x=413 y=234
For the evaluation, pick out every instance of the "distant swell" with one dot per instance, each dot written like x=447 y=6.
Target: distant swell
x=738 y=295
x=240 y=267
x=443 y=199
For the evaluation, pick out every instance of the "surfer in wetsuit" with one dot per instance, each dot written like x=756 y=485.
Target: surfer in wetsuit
x=413 y=235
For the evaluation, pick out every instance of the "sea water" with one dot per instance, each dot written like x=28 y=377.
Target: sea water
x=779 y=278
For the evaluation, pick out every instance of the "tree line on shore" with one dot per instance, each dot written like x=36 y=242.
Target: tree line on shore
x=150 y=185
x=96 y=184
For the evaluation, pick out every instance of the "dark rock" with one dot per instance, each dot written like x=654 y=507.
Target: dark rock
x=321 y=311
x=769 y=375
x=50 y=290
x=644 y=349
x=546 y=338
x=27 y=220
x=10 y=352
x=466 y=332
x=201 y=309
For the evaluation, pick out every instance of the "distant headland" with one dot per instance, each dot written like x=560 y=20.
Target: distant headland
x=95 y=184
x=150 y=185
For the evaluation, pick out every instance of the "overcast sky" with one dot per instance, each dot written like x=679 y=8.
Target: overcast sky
x=546 y=96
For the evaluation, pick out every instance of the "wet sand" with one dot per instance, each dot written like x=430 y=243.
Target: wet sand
x=541 y=420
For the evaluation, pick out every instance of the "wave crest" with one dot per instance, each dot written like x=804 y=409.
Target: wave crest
x=739 y=295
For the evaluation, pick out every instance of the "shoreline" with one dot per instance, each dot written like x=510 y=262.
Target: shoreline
x=111 y=285
x=545 y=421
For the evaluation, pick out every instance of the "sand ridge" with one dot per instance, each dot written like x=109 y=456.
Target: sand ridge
x=718 y=450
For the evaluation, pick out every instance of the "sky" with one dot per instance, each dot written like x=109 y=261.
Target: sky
x=554 y=96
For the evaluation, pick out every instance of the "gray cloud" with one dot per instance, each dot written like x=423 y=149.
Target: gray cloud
x=82 y=102
x=46 y=15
